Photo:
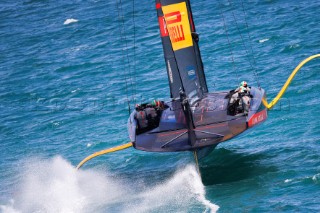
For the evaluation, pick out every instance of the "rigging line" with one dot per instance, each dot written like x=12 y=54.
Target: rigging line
x=134 y=51
x=124 y=38
x=229 y=43
x=243 y=43
x=248 y=32
x=125 y=76
x=125 y=49
x=126 y=45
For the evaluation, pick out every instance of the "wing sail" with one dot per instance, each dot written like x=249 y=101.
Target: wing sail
x=181 y=50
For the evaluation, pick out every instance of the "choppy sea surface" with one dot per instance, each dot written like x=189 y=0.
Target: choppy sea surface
x=67 y=69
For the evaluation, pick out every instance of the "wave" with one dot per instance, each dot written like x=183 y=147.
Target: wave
x=54 y=185
x=263 y=40
x=70 y=20
x=315 y=179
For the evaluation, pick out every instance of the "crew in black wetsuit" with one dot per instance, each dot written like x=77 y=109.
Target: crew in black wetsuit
x=241 y=98
x=141 y=117
x=148 y=115
x=152 y=116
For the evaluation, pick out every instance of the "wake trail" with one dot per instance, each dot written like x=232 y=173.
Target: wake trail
x=54 y=185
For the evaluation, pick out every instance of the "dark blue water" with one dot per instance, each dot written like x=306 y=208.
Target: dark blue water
x=68 y=68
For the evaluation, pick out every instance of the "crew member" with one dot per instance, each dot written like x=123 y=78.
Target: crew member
x=141 y=117
x=151 y=115
x=158 y=105
x=242 y=93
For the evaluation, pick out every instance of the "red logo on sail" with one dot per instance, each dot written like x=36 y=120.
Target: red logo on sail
x=175 y=23
x=175 y=26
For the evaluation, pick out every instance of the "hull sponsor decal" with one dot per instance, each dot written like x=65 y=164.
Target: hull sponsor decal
x=258 y=118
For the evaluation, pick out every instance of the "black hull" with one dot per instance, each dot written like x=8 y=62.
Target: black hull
x=213 y=124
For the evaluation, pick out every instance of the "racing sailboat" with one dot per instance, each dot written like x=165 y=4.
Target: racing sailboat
x=195 y=119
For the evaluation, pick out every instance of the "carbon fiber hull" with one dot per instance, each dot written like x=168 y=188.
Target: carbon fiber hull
x=213 y=124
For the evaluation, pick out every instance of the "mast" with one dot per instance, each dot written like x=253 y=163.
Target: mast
x=181 y=50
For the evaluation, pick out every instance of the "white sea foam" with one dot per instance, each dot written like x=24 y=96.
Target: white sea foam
x=316 y=178
x=178 y=193
x=76 y=90
x=8 y=208
x=294 y=46
x=263 y=40
x=288 y=180
x=55 y=186
x=70 y=20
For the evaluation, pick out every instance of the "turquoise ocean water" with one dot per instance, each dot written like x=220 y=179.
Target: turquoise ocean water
x=67 y=69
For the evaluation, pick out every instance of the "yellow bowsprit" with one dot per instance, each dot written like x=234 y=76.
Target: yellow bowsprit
x=285 y=86
x=106 y=151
